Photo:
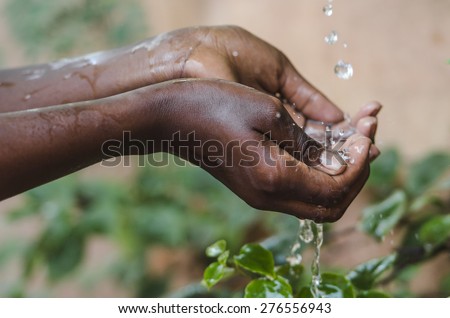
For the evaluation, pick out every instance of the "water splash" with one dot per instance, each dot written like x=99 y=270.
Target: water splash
x=295 y=257
x=305 y=231
x=315 y=265
x=332 y=137
x=308 y=232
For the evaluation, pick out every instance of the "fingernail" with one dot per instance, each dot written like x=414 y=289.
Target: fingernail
x=373 y=107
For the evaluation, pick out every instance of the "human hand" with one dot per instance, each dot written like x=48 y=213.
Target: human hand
x=234 y=54
x=262 y=156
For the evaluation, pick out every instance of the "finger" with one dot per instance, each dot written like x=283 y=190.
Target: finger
x=358 y=160
x=286 y=132
x=370 y=109
x=367 y=126
x=306 y=98
x=374 y=152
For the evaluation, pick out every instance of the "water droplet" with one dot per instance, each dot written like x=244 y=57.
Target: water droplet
x=343 y=70
x=67 y=76
x=293 y=124
x=235 y=53
x=277 y=95
x=359 y=149
x=345 y=45
x=35 y=74
x=278 y=115
x=328 y=10
x=56 y=65
x=27 y=97
x=331 y=38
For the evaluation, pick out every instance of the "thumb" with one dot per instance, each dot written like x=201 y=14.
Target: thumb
x=354 y=152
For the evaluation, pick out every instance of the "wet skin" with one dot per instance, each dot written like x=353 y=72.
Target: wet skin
x=136 y=89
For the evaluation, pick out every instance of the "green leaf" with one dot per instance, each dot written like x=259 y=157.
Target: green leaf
x=256 y=259
x=380 y=218
x=268 y=288
x=222 y=259
x=294 y=274
x=425 y=172
x=372 y=294
x=335 y=286
x=214 y=273
x=305 y=292
x=384 y=170
x=365 y=275
x=435 y=231
x=65 y=257
x=426 y=200
x=216 y=249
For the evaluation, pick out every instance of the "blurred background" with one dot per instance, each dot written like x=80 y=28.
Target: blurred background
x=142 y=231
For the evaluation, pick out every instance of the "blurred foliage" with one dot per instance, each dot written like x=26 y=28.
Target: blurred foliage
x=184 y=208
x=59 y=28
x=176 y=207
x=413 y=201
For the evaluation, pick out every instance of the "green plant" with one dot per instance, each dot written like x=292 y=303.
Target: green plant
x=417 y=205
x=170 y=207
x=268 y=280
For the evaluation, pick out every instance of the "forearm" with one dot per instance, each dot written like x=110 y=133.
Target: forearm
x=90 y=76
x=40 y=145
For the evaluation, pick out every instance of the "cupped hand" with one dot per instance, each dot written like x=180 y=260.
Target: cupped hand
x=234 y=54
x=263 y=156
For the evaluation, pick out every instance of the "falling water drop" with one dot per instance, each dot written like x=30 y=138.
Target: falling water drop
x=278 y=115
x=331 y=38
x=343 y=70
x=328 y=10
